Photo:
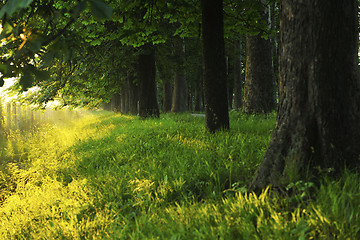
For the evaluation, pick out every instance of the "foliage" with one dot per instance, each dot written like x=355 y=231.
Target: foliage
x=113 y=176
x=80 y=51
x=35 y=32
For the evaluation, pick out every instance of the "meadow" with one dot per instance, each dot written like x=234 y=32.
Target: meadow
x=111 y=176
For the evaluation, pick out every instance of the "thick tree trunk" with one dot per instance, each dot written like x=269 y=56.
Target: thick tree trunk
x=215 y=90
x=148 y=105
x=318 y=124
x=237 y=76
x=259 y=88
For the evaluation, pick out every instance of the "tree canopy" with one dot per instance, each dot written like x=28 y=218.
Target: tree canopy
x=80 y=51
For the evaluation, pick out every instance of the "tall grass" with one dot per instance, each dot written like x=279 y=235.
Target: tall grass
x=109 y=176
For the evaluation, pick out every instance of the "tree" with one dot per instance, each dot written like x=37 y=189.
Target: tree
x=148 y=105
x=179 y=99
x=214 y=70
x=33 y=33
x=77 y=50
x=318 y=123
x=259 y=88
x=164 y=68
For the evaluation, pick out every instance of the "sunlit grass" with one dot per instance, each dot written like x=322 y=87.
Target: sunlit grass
x=109 y=176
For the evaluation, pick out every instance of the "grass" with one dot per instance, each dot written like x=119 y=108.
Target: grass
x=109 y=176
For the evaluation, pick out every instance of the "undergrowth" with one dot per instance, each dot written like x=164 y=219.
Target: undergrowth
x=110 y=176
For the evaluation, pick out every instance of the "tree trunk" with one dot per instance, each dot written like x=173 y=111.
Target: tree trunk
x=116 y=103
x=148 y=105
x=124 y=99
x=197 y=97
x=215 y=90
x=180 y=87
x=318 y=124
x=167 y=96
x=259 y=89
x=237 y=76
x=133 y=96
x=190 y=105
x=179 y=98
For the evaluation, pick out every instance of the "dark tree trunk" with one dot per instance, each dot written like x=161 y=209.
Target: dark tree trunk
x=197 y=97
x=237 y=76
x=179 y=99
x=318 y=120
x=167 y=96
x=148 y=105
x=215 y=90
x=124 y=99
x=230 y=96
x=133 y=96
x=190 y=99
x=116 y=103
x=259 y=88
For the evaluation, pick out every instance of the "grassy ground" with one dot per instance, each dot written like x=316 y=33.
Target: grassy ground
x=108 y=176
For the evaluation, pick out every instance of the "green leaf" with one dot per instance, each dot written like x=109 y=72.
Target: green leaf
x=47 y=58
x=7 y=28
x=35 y=45
x=41 y=75
x=26 y=80
x=1 y=81
x=12 y=6
x=100 y=9
x=78 y=9
x=95 y=42
x=24 y=3
x=3 y=68
x=2 y=11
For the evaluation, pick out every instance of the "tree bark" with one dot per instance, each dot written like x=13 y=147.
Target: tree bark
x=215 y=90
x=148 y=105
x=259 y=88
x=318 y=123
x=179 y=97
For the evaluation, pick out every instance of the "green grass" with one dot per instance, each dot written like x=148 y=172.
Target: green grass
x=109 y=176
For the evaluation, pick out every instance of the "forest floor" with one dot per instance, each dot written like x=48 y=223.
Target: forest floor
x=110 y=176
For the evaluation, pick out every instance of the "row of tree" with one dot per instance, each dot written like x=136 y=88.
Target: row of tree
x=86 y=51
